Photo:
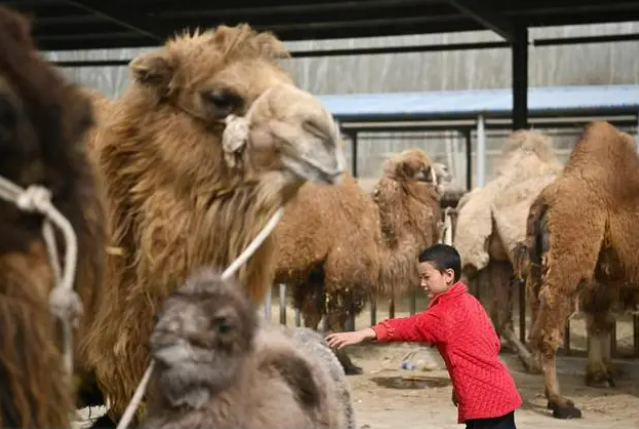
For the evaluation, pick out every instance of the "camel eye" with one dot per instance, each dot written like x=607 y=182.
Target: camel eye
x=223 y=102
x=222 y=325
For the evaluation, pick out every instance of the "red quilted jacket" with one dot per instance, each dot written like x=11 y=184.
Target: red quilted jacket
x=457 y=324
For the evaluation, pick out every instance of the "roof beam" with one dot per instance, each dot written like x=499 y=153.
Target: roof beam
x=124 y=18
x=490 y=19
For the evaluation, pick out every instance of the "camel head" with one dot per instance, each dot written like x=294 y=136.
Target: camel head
x=202 y=333
x=228 y=106
x=413 y=165
x=530 y=142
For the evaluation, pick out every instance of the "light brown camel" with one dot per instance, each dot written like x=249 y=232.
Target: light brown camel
x=337 y=245
x=43 y=121
x=218 y=368
x=582 y=243
x=492 y=220
x=186 y=190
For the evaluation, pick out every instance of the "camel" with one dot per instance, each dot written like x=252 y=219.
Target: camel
x=217 y=368
x=209 y=141
x=492 y=220
x=581 y=245
x=43 y=123
x=338 y=245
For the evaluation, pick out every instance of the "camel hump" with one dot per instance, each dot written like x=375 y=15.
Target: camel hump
x=296 y=371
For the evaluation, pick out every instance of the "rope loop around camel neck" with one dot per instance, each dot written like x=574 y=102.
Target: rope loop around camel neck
x=229 y=272
x=64 y=302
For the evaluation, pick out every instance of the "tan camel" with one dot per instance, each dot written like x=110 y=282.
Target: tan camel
x=492 y=220
x=337 y=245
x=582 y=249
x=208 y=142
x=43 y=122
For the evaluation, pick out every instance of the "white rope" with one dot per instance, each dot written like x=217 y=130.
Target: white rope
x=230 y=271
x=64 y=302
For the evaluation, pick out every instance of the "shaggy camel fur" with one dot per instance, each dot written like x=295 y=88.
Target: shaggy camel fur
x=216 y=368
x=43 y=121
x=492 y=220
x=182 y=195
x=337 y=245
x=582 y=243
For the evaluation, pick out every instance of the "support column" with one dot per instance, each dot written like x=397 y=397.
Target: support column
x=354 y=153
x=520 y=78
x=481 y=151
x=468 y=135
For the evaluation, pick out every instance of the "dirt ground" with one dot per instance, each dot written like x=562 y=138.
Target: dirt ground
x=383 y=400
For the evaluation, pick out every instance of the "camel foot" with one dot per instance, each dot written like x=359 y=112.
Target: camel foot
x=563 y=409
x=103 y=422
x=600 y=376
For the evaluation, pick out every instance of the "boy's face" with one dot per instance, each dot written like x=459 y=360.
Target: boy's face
x=432 y=281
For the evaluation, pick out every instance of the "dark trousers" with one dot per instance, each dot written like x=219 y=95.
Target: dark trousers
x=503 y=422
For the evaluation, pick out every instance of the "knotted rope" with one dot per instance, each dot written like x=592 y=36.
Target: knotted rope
x=64 y=302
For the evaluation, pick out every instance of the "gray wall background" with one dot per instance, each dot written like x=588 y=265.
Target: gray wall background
x=591 y=64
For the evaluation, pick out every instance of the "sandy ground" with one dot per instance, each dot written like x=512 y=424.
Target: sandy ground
x=380 y=404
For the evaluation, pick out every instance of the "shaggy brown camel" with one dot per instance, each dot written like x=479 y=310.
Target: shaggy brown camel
x=492 y=220
x=43 y=121
x=218 y=368
x=209 y=141
x=337 y=245
x=582 y=244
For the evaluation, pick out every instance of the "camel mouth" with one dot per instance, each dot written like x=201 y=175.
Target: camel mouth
x=309 y=169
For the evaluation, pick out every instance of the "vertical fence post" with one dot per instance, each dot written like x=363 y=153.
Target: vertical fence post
x=298 y=318
x=283 y=303
x=373 y=307
x=391 y=308
x=267 y=304
x=522 y=311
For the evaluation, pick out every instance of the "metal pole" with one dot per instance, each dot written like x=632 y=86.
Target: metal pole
x=468 y=133
x=481 y=152
x=520 y=79
x=267 y=304
x=354 y=153
x=283 y=303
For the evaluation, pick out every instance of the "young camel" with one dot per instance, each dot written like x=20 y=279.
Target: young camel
x=208 y=142
x=582 y=247
x=217 y=368
x=338 y=246
x=43 y=122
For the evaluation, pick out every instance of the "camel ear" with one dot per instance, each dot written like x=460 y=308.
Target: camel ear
x=152 y=70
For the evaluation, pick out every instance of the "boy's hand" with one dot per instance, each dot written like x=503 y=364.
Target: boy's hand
x=343 y=339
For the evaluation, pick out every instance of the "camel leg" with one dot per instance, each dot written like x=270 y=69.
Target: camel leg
x=337 y=323
x=309 y=299
x=503 y=284
x=533 y=286
x=547 y=336
x=598 y=370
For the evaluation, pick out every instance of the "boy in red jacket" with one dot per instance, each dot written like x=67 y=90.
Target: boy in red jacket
x=457 y=324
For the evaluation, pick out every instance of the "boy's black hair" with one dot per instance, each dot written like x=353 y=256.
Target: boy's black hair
x=442 y=257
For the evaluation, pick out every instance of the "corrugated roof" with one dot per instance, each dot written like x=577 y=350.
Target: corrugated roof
x=546 y=100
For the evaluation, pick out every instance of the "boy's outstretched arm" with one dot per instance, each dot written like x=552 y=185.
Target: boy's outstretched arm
x=343 y=339
x=426 y=327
